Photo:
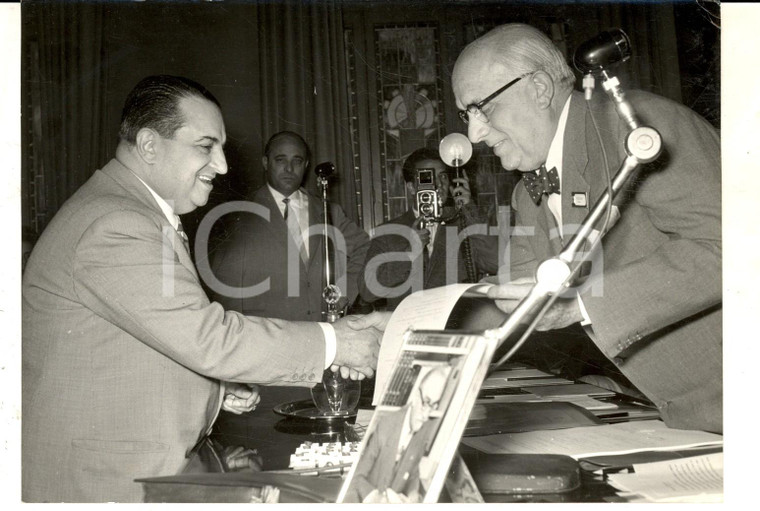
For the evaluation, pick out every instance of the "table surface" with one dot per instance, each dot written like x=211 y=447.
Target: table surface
x=276 y=437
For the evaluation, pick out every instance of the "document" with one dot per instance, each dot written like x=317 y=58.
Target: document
x=424 y=310
x=695 y=479
x=585 y=442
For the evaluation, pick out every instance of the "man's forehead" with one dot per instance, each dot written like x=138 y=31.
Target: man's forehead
x=203 y=119
x=286 y=144
x=475 y=78
x=430 y=164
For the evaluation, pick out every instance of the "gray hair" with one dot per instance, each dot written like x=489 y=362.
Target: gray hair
x=525 y=49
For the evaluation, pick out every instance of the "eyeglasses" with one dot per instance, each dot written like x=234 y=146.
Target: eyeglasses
x=476 y=108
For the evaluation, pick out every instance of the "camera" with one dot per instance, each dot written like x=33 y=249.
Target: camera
x=428 y=201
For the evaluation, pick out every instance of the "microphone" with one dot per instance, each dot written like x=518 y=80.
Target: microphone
x=599 y=53
x=602 y=51
x=324 y=169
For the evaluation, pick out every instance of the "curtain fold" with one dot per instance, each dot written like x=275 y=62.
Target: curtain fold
x=301 y=62
x=654 y=64
x=64 y=58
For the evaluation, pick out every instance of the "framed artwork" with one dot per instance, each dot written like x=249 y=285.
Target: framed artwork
x=414 y=433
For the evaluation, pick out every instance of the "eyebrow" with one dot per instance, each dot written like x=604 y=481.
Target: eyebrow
x=208 y=137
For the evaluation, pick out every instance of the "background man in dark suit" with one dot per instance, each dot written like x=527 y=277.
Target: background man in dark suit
x=399 y=264
x=659 y=316
x=262 y=249
x=124 y=356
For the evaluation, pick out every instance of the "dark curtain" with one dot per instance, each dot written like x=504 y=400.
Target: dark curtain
x=654 y=64
x=65 y=87
x=301 y=85
x=82 y=58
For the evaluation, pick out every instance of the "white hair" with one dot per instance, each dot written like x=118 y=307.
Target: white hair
x=525 y=49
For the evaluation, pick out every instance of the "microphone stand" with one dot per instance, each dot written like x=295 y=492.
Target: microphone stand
x=469 y=265
x=336 y=387
x=331 y=293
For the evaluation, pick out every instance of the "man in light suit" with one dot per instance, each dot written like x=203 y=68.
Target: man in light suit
x=259 y=247
x=124 y=357
x=658 y=318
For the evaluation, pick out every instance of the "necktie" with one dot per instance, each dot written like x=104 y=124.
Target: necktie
x=541 y=182
x=183 y=235
x=295 y=229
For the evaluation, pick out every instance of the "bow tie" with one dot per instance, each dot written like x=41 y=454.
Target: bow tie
x=541 y=182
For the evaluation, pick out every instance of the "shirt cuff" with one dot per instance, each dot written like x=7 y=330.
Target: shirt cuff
x=331 y=343
x=586 y=319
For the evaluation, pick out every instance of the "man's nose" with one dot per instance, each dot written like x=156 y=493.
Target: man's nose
x=477 y=130
x=293 y=166
x=218 y=161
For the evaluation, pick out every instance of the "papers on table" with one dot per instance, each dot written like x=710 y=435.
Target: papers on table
x=585 y=442
x=694 y=479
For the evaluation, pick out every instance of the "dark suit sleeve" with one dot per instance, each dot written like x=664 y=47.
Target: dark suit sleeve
x=127 y=272
x=681 y=277
x=357 y=245
x=228 y=266
x=390 y=258
x=483 y=243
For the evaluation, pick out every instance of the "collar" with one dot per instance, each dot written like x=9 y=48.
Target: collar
x=166 y=208
x=554 y=157
x=297 y=198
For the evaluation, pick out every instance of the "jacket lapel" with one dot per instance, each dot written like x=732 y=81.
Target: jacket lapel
x=575 y=160
x=132 y=184
x=276 y=224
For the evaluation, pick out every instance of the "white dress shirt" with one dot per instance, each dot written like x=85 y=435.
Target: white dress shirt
x=299 y=205
x=554 y=201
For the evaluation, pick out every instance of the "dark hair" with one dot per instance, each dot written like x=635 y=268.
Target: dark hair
x=154 y=103
x=420 y=154
x=281 y=134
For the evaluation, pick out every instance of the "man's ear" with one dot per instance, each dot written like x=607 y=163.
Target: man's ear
x=544 y=89
x=264 y=162
x=146 y=143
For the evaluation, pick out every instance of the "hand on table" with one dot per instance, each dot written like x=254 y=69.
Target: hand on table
x=240 y=398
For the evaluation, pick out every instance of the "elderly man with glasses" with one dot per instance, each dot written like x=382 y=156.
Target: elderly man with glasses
x=652 y=303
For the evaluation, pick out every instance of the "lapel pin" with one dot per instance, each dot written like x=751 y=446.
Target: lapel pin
x=579 y=200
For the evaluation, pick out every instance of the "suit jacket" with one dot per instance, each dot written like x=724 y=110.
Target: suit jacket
x=654 y=297
x=429 y=271
x=378 y=467
x=262 y=250
x=122 y=351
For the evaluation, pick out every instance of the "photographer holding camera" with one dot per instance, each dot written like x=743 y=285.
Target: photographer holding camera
x=409 y=253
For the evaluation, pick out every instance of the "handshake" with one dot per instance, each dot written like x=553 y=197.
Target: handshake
x=358 y=343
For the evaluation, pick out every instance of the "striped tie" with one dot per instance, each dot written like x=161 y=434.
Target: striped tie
x=183 y=235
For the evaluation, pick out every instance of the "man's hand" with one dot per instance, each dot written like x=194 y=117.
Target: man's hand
x=460 y=190
x=422 y=232
x=240 y=458
x=358 y=343
x=376 y=319
x=564 y=311
x=240 y=398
